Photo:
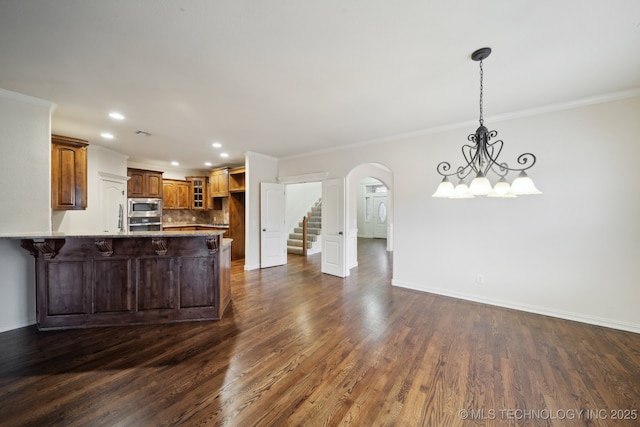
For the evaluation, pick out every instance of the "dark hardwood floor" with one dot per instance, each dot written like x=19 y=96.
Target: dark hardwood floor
x=301 y=348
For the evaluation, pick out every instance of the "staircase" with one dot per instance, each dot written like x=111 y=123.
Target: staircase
x=295 y=243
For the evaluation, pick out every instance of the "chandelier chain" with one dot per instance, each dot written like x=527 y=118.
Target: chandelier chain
x=481 y=90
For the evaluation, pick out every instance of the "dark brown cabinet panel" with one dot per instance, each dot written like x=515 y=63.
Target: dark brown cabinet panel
x=65 y=288
x=144 y=183
x=225 y=277
x=236 y=224
x=68 y=173
x=195 y=289
x=154 y=293
x=112 y=286
x=83 y=282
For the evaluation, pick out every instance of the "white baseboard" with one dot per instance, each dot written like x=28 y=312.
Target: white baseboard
x=316 y=249
x=17 y=325
x=576 y=317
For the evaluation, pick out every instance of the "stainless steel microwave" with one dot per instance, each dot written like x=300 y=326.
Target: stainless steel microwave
x=139 y=207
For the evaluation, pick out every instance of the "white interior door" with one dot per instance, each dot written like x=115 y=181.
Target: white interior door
x=333 y=227
x=273 y=238
x=113 y=203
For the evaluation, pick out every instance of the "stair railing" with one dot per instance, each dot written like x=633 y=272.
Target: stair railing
x=305 y=220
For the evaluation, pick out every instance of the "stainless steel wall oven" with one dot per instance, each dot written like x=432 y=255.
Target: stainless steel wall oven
x=145 y=214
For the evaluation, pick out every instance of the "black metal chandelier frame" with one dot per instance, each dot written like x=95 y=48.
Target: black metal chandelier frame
x=482 y=155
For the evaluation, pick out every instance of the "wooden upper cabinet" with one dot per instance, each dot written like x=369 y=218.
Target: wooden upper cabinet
x=169 y=194
x=177 y=194
x=68 y=173
x=184 y=195
x=154 y=184
x=135 y=185
x=219 y=183
x=144 y=183
x=236 y=179
x=199 y=192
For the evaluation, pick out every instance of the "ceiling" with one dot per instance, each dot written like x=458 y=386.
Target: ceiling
x=286 y=77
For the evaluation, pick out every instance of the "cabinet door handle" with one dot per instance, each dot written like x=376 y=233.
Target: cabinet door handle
x=340 y=233
x=264 y=229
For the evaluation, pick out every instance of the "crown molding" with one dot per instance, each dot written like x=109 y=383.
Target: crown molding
x=298 y=179
x=579 y=103
x=7 y=94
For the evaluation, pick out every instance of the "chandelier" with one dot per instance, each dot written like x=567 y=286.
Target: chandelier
x=481 y=157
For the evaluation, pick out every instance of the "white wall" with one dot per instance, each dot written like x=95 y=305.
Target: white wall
x=25 y=168
x=260 y=168
x=99 y=159
x=300 y=198
x=571 y=252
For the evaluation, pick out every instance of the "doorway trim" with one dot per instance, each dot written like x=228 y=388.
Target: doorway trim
x=103 y=178
x=375 y=170
x=382 y=173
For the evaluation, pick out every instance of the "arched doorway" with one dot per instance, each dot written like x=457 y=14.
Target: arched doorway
x=378 y=171
x=382 y=175
x=373 y=202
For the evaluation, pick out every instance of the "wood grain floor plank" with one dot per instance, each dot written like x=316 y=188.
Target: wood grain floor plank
x=299 y=348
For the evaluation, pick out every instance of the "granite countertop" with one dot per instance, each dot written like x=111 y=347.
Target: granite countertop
x=124 y=234
x=193 y=224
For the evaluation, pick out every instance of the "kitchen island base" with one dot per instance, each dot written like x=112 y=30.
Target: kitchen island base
x=106 y=281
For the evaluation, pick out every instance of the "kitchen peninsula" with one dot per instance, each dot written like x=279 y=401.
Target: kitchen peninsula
x=145 y=277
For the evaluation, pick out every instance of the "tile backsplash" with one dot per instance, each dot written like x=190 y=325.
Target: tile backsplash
x=197 y=216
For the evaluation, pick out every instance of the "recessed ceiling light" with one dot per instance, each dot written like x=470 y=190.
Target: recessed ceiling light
x=106 y=135
x=208 y=164
x=116 y=115
x=175 y=164
x=216 y=145
x=224 y=154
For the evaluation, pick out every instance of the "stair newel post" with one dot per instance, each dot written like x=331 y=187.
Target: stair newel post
x=304 y=235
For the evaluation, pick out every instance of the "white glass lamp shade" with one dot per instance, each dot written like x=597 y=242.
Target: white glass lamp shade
x=462 y=191
x=445 y=189
x=480 y=186
x=502 y=189
x=523 y=185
